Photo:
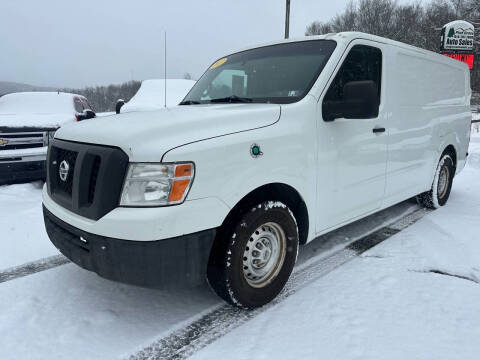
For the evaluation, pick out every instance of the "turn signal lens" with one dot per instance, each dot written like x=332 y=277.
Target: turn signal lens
x=178 y=190
x=183 y=176
x=183 y=170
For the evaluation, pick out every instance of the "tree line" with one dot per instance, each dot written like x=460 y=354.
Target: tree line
x=104 y=98
x=416 y=24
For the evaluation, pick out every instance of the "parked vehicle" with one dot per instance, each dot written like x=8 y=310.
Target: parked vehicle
x=151 y=95
x=28 y=121
x=273 y=146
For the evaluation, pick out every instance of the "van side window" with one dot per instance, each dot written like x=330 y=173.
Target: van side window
x=361 y=64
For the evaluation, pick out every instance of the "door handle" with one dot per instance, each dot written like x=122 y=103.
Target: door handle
x=378 y=130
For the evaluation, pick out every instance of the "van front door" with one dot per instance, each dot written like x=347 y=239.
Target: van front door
x=352 y=153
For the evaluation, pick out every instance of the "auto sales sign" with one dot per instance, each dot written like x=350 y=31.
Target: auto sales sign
x=457 y=41
x=458 y=36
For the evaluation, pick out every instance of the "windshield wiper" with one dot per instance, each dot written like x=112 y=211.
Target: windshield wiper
x=232 y=99
x=190 y=102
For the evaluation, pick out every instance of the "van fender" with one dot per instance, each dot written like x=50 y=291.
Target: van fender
x=446 y=140
x=225 y=169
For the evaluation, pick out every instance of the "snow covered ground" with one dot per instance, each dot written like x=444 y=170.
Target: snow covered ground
x=414 y=296
x=23 y=238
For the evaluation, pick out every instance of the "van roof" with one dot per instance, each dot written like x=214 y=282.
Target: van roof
x=346 y=37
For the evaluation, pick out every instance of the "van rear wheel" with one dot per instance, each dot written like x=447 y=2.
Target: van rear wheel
x=251 y=264
x=442 y=184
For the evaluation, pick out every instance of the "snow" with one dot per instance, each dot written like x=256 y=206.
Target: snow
x=70 y=313
x=151 y=95
x=106 y=113
x=389 y=303
x=52 y=121
x=37 y=103
x=37 y=109
x=385 y=304
x=23 y=238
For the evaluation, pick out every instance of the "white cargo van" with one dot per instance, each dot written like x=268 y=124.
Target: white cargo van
x=273 y=146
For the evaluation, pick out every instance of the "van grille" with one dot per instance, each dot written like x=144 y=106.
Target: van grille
x=70 y=157
x=94 y=181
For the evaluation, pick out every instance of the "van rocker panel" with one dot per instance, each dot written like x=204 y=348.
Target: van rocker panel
x=179 y=260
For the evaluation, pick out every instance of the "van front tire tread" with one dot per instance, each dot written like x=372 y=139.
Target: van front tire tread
x=225 y=269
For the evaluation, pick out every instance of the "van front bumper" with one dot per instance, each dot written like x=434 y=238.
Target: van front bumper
x=146 y=224
x=158 y=264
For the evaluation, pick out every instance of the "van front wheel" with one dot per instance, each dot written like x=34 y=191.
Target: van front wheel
x=250 y=266
x=442 y=184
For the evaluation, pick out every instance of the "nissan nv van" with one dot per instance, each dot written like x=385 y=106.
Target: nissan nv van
x=273 y=146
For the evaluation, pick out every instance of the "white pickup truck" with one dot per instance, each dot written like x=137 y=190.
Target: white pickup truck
x=28 y=121
x=272 y=147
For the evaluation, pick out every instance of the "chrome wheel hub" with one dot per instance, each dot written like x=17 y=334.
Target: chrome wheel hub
x=264 y=254
x=443 y=181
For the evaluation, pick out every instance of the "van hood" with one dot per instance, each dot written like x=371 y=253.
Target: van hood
x=147 y=136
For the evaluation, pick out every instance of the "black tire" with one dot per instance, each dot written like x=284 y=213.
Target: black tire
x=440 y=191
x=229 y=268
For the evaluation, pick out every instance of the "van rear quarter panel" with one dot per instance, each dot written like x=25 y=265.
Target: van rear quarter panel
x=429 y=103
x=225 y=169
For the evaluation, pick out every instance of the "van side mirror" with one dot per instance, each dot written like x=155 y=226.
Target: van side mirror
x=360 y=101
x=118 y=105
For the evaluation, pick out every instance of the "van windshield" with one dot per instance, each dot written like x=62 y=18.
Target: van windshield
x=280 y=74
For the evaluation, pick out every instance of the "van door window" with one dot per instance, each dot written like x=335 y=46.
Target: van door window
x=362 y=63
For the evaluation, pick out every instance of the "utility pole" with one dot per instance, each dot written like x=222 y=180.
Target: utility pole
x=165 y=65
x=287 y=19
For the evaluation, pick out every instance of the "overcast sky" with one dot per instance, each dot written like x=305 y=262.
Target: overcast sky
x=96 y=42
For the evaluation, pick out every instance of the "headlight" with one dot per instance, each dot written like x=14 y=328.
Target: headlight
x=156 y=184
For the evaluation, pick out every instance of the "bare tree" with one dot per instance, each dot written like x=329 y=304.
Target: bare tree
x=104 y=98
x=318 y=27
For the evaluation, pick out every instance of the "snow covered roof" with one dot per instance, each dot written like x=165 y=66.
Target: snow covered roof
x=37 y=103
x=37 y=109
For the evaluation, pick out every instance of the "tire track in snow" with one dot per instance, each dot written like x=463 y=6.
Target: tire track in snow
x=210 y=327
x=32 y=267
